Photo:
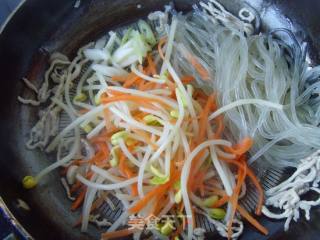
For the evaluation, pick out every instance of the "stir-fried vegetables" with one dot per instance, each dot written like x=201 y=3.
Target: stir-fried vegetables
x=142 y=130
x=145 y=139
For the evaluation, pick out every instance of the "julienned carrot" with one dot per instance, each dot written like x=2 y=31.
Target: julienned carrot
x=79 y=200
x=122 y=164
x=193 y=60
x=179 y=158
x=131 y=81
x=159 y=203
x=162 y=41
x=187 y=79
x=219 y=127
x=193 y=217
x=242 y=147
x=145 y=137
x=222 y=201
x=132 y=98
x=181 y=208
x=204 y=74
x=158 y=191
x=254 y=180
x=151 y=65
x=126 y=171
x=260 y=190
x=138 y=115
x=83 y=111
x=171 y=85
x=75 y=187
x=203 y=122
x=97 y=203
x=242 y=172
x=117 y=234
x=200 y=179
x=215 y=190
x=147 y=86
x=192 y=172
x=119 y=78
x=251 y=220
x=178 y=231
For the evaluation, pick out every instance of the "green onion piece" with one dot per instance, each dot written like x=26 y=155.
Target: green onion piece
x=146 y=30
x=117 y=136
x=152 y=120
x=126 y=37
x=80 y=97
x=97 y=99
x=174 y=114
x=208 y=202
x=165 y=76
x=190 y=89
x=217 y=213
x=86 y=127
x=167 y=228
x=177 y=185
x=158 y=180
x=115 y=159
x=140 y=47
x=178 y=197
x=114 y=162
x=156 y=172
x=130 y=142
x=183 y=99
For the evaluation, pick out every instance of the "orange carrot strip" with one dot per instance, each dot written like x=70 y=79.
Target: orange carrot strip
x=178 y=231
x=220 y=127
x=216 y=191
x=117 y=234
x=119 y=78
x=194 y=163
x=242 y=147
x=159 y=203
x=126 y=171
x=251 y=220
x=256 y=183
x=75 y=187
x=83 y=111
x=151 y=65
x=97 y=203
x=203 y=122
x=187 y=79
x=158 y=191
x=204 y=74
x=137 y=99
x=162 y=41
x=147 y=86
x=253 y=179
x=235 y=196
x=145 y=137
x=79 y=200
x=222 y=201
x=129 y=83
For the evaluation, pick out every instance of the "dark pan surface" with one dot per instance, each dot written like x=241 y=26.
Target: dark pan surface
x=42 y=27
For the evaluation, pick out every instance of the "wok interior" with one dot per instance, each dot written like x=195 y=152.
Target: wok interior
x=71 y=29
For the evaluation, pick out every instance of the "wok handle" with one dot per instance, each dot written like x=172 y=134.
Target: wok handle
x=12 y=229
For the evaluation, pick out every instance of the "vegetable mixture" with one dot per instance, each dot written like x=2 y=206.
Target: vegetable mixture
x=168 y=115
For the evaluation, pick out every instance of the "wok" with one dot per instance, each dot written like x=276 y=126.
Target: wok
x=39 y=28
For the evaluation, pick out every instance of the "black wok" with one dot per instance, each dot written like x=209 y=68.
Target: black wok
x=39 y=28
